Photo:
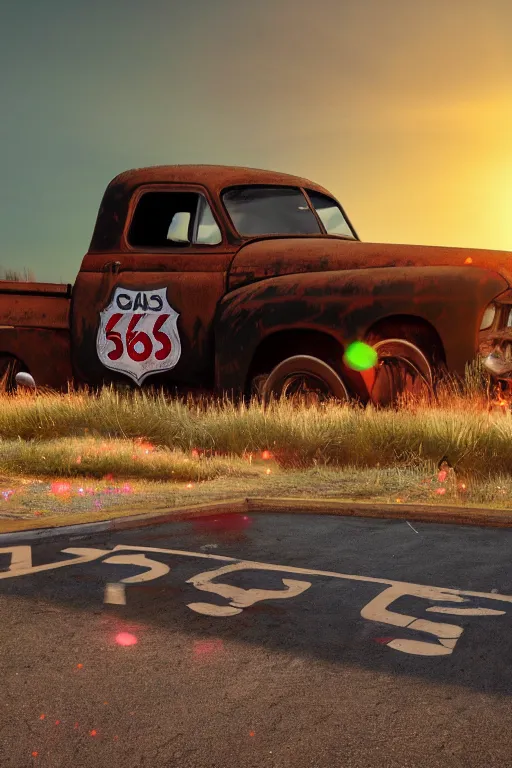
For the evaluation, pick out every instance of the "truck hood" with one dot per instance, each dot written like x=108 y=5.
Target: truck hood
x=271 y=257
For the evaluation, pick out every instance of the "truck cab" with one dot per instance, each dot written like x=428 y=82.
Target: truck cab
x=159 y=265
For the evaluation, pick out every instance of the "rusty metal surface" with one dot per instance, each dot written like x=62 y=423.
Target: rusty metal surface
x=35 y=289
x=189 y=259
x=112 y=215
x=215 y=177
x=30 y=310
x=44 y=353
x=280 y=256
x=346 y=304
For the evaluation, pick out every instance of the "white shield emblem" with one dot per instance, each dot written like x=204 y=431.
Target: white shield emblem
x=138 y=333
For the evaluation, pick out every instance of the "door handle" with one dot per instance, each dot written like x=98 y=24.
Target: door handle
x=112 y=266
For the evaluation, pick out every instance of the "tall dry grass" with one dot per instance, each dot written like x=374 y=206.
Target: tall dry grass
x=477 y=441
x=17 y=276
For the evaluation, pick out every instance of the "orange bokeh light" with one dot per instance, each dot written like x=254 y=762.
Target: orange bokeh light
x=60 y=489
x=125 y=639
x=144 y=445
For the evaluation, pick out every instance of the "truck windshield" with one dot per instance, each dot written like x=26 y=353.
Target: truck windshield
x=266 y=210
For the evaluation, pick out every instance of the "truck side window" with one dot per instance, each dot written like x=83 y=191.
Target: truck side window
x=171 y=220
x=206 y=230
x=330 y=214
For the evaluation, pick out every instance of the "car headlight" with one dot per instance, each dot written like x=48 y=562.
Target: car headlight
x=488 y=318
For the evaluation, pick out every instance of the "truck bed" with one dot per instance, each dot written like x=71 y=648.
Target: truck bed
x=34 y=305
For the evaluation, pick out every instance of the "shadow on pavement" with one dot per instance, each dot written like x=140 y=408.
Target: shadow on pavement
x=323 y=622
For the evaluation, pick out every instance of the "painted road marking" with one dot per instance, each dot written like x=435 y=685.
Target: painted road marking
x=115 y=594
x=378 y=609
x=21 y=560
x=240 y=598
x=155 y=568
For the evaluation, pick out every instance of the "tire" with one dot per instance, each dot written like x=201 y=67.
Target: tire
x=306 y=378
x=9 y=367
x=402 y=369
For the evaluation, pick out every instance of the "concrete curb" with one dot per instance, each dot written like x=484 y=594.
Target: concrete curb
x=419 y=513
x=53 y=530
x=39 y=534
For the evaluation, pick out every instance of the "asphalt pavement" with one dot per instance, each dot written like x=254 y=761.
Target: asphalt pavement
x=258 y=640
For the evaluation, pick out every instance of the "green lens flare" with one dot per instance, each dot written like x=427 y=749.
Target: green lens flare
x=360 y=356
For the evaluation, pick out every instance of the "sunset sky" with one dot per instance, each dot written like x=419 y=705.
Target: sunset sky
x=403 y=109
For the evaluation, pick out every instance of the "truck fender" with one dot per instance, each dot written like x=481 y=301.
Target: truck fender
x=346 y=304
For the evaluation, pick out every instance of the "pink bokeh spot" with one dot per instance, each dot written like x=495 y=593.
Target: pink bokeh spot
x=60 y=489
x=125 y=639
x=207 y=648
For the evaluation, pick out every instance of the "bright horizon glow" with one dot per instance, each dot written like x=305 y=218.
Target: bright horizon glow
x=402 y=110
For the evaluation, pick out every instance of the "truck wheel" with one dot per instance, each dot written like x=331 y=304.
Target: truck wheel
x=402 y=369
x=304 y=379
x=257 y=384
x=9 y=367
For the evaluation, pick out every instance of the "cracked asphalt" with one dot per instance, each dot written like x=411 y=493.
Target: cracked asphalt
x=187 y=670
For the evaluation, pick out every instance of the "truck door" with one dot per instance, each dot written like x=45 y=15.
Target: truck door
x=146 y=313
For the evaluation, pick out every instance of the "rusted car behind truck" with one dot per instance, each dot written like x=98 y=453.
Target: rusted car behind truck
x=242 y=281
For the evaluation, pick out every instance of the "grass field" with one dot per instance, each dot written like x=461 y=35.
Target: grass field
x=79 y=451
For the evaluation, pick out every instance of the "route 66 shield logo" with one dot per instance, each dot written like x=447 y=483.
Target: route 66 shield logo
x=138 y=333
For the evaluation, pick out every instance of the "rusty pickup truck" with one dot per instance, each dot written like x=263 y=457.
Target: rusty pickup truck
x=249 y=282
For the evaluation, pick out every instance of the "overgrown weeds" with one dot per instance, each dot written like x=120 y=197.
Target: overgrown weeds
x=465 y=424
